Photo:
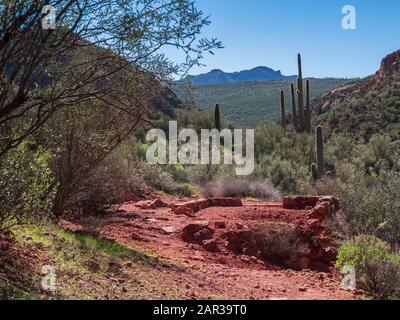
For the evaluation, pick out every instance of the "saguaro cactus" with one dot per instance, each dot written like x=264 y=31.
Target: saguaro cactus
x=217 y=118
x=307 y=111
x=301 y=111
x=319 y=167
x=314 y=171
x=294 y=111
x=283 y=114
x=300 y=94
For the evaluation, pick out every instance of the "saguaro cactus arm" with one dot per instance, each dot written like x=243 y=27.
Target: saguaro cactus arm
x=294 y=111
x=300 y=94
x=308 y=113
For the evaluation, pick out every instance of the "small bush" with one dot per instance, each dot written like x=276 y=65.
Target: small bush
x=369 y=206
x=242 y=188
x=382 y=279
x=277 y=242
x=377 y=269
x=26 y=184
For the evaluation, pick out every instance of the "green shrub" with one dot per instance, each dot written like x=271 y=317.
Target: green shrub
x=370 y=204
x=377 y=269
x=26 y=184
x=284 y=174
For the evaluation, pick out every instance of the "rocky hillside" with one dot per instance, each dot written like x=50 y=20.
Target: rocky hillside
x=365 y=107
x=218 y=76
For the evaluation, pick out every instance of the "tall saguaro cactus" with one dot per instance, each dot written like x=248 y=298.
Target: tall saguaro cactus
x=301 y=112
x=300 y=94
x=307 y=110
x=294 y=111
x=217 y=118
x=318 y=169
x=283 y=114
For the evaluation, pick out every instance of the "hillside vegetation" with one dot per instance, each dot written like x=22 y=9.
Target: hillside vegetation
x=249 y=104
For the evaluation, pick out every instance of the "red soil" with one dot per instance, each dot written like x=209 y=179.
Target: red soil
x=222 y=274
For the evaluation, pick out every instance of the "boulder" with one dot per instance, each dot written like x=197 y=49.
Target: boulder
x=196 y=232
x=210 y=245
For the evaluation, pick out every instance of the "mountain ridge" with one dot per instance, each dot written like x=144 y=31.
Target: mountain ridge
x=218 y=76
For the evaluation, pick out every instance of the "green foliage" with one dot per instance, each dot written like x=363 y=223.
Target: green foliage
x=319 y=145
x=26 y=184
x=370 y=206
x=251 y=103
x=363 y=249
x=361 y=116
x=377 y=269
x=99 y=262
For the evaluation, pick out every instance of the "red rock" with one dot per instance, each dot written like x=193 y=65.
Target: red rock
x=194 y=206
x=182 y=210
x=314 y=224
x=196 y=232
x=158 y=203
x=233 y=241
x=225 y=202
x=211 y=245
x=219 y=224
x=299 y=202
x=151 y=204
x=307 y=202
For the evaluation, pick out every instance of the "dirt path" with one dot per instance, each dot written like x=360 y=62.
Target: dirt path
x=222 y=274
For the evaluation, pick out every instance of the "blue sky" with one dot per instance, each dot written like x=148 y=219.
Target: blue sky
x=272 y=32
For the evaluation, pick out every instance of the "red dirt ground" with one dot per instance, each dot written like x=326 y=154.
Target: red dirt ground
x=222 y=274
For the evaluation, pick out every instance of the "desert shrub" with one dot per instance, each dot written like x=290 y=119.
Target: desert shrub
x=242 y=188
x=277 y=242
x=177 y=171
x=124 y=170
x=201 y=175
x=26 y=184
x=107 y=183
x=378 y=155
x=382 y=279
x=185 y=189
x=369 y=205
x=284 y=174
x=377 y=269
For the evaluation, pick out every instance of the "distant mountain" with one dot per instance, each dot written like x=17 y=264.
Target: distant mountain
x=218 y=76
x=364 y=107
